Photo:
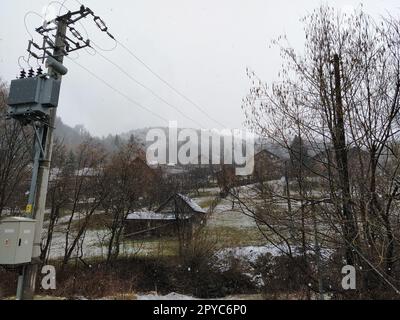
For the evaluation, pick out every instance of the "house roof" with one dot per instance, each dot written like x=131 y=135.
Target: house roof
x=191 y=203
x=169 y=214
x=267 y=153
x=188 y=202
x=151 y=215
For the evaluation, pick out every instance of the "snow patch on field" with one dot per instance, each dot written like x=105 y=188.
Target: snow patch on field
x=170 y=296
x=94 y=245
x=250 y=253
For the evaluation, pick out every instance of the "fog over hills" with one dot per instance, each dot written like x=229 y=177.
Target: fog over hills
x=73 y=136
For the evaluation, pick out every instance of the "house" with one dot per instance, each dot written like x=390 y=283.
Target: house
x=226 y=179
x=267 y=166
x=178 y=216
x=147 y=176
x=358 y=162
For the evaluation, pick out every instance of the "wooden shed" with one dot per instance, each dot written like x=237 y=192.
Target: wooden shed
x=178 y=216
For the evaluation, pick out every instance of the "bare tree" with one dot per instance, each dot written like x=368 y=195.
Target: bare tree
x=87 y=189
x=341 y=99
x=15 y=158
x=128 y=181
x=58 y=196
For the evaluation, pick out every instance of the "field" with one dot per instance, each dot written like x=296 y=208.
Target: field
x=230 y=227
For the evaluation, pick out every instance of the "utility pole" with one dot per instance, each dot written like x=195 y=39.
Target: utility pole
x=34 y=101
x=46 y=139
x=341 y=153
x=318 y=256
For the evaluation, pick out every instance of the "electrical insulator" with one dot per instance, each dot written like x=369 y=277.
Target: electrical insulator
x=100 y=23
x=39 y=71
x=76 y=33
x=22 y=74
x=31 y=73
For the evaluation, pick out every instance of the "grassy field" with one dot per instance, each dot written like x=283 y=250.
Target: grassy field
x=226 y=226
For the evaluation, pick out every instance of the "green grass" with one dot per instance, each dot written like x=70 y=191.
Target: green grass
x=97 y=222
x=202 y=194
x=224 y=237
x=164 y=247
x=207 y=203
x=235 y=237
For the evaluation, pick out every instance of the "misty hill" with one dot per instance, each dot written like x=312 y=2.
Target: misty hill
x=73 y=136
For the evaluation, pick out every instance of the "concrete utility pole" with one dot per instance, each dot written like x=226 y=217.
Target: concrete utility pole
x=34 y=101
x=30 y=271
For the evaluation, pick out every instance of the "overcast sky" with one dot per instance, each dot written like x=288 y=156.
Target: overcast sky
x=201 y=47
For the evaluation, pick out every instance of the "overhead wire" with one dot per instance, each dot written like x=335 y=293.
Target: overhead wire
x=116 y=43
x=27 y=61
x=118 y=91
x=159 y=77
x=198 y=107
x=151 y=91
x=25 y=22
x=98 y=77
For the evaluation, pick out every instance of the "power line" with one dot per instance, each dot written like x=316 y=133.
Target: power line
x=118 y=91
x=169 y=85
x=25 y=23
x=149 y=89
x=62 y=5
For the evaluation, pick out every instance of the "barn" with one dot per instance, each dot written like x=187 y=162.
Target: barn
x=178 y=216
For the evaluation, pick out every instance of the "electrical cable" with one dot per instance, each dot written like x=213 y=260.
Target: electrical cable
x=30 y=34
x=103 y=28
x=169 y=85
x=152 y=92
x=118 y=91
x=25 y=23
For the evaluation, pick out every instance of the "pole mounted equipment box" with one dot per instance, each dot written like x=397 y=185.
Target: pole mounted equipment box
x=16 y=240
x=31 y=99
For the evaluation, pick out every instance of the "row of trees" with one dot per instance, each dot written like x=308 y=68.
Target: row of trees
x=15 y=158
x=340 y=98
x=89 y=185
x=91 y=188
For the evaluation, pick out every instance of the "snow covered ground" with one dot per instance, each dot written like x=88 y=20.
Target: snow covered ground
x=223 y=216
x=250 y=253
x=177 y=296
x=94 y=245
x=170 y=296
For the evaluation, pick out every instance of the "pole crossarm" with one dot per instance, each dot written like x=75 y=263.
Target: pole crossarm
x=41 y=52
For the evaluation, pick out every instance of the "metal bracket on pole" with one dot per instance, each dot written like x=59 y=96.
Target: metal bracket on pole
x=39 y=141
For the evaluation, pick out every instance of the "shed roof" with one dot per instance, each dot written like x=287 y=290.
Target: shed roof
x=191 y=203
x=151 y=215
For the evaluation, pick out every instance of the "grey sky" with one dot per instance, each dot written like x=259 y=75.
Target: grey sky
x=202 y=47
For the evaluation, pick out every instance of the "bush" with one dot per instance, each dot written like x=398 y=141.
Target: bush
x=281 y=275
